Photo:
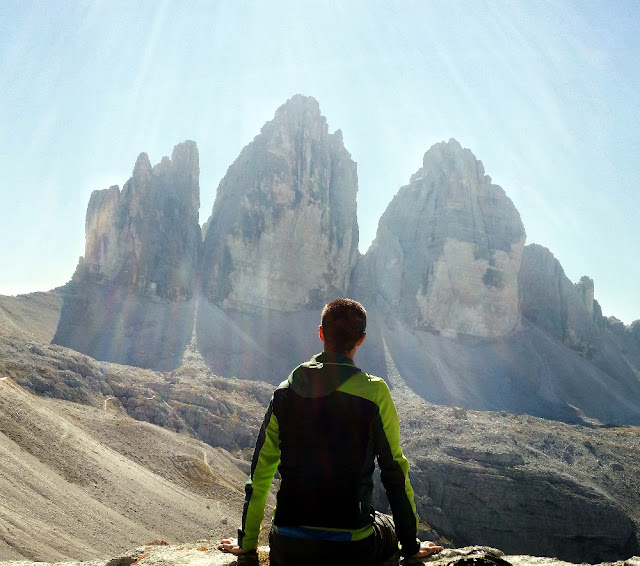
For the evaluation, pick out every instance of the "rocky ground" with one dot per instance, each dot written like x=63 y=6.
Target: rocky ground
x=204 y=553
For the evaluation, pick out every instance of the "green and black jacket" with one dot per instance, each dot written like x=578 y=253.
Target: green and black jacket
x=324 y=426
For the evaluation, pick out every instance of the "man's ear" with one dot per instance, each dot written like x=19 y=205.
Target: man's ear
x=321 y=333
x=359 y=342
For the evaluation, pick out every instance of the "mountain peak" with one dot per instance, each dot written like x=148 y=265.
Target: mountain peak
x=299 y=104
x=142 y=166
x=448 y=248
x=283 y=232
x=453 y=160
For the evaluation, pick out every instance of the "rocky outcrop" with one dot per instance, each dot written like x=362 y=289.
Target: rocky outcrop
x=283 y=234
x=146 y=238
x=626 y=340
x=448 y=249
x=203 y=552
x=488 y=503
x=130 y=299
x=552 y=302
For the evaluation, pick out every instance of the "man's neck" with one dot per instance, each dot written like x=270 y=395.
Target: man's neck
x=348 y=354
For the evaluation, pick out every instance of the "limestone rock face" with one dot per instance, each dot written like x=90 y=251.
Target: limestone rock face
x=101 y=235
x=448 y=249
x=552 y=302
x=130 y=298
x=283 y=234
x=147 y=237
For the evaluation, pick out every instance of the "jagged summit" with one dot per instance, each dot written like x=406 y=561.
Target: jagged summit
x=450 y=155
x=297 y=111
x=142 y=167
x=147 y=235
x=283 y=233
x=129 y=299
x=447 y=250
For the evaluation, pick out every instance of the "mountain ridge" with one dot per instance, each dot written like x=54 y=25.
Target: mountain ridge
x=449 y=262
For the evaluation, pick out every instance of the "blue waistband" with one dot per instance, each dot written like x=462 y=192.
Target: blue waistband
x=316 y=534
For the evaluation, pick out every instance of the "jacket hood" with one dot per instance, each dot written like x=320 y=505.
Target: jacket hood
x=322 y=375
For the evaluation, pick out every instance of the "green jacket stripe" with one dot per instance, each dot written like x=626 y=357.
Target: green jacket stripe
x=263 y=467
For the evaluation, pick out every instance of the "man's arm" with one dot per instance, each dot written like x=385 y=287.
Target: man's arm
x=266 y=458
x=394 y=472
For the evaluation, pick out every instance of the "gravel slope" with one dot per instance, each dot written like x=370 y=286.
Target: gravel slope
x=81 y=482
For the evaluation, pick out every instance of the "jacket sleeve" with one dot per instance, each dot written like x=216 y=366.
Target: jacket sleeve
x=266 y=458
x=394 y=472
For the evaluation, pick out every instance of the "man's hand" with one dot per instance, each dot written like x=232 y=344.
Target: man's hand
x=427 y=548
x=230 y=545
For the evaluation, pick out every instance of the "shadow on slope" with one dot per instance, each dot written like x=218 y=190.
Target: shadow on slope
x=525 y=372
x=265 y=345
x=112 y=324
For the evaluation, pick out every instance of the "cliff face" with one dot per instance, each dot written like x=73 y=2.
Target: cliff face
x=147 y=237
x=569 y=313
x=129 y=299
x=552 y=302
x=283 y=234
x=448 y=249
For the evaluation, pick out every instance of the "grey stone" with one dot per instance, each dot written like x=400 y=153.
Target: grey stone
x=514 y=509
x=283 y=234
x=448 y=248
x=552 y=302
x=507 y=459
x=130 y=299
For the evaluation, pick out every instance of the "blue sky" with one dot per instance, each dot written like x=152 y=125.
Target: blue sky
x=545 y=94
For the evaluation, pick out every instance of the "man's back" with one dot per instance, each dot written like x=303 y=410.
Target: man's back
x=326 y=444
x=324 y=428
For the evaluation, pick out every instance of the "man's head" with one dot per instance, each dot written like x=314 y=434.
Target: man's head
x=343 y=325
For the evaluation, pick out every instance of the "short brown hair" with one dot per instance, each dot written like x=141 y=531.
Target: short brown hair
x=344 y=321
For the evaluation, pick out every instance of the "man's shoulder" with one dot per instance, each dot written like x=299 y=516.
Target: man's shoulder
x=374 y=378
x=369 y=378
x=365 y=385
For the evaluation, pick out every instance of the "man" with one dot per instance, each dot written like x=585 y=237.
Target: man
x=325 y=426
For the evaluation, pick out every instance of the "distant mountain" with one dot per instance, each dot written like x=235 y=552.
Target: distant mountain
x=448 y=248
x=130 y=299
x=283 y=234
x=467 y=313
